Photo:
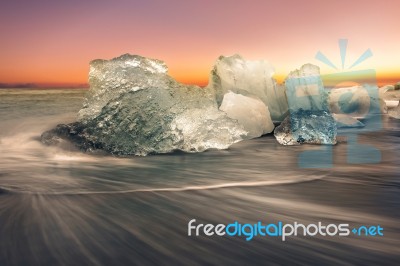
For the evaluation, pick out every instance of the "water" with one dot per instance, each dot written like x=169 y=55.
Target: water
x=59 y=206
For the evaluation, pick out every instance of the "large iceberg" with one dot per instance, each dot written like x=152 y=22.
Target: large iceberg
x=249 y=78
x=134 y=107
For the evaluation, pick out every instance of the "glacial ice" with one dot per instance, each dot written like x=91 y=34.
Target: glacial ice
x=390 y=94
x=309 y=120
x=346 y=121
x=134 y=107
x=109 y=79
x=305 y=90
x=395 y=112
x=356 y=101
x=249 y=78
x=386 y=88
x=305 y=126
x=251 y=113
x=397 y=86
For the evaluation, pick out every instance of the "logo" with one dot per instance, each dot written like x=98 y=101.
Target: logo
x=280 y=230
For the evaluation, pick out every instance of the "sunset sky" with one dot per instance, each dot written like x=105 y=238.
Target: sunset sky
x=51 y=42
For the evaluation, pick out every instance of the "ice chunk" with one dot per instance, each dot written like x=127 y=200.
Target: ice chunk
x=395 y=113
x=386 y=88
x=160 y=120
x=134 y=107
x=251 y=113
x=63 y=135
x=109 y=78
x=391 y=103
x=356 y=101
x=306 y=70
x=305 y=90
x=346 y=121
x=383 y=107
x=397 y=86
x=309 y=120
x=390 y=94
x=233 y=73
x=314 y=127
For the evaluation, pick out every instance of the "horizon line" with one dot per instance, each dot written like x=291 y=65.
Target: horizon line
x=201 y=83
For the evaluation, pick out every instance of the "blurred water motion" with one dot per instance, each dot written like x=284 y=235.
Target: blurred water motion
x=61 y=206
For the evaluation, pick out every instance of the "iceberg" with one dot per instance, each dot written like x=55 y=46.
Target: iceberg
x=249 y=78
x=134 y=108
x=251 y=113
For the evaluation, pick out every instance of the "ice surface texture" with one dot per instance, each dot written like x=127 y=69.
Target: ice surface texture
x=305 y=126
x=346 y=121
x=309 y=120
x=109 y=79
x=390 y=94
x=249 y=78
x=134 y=107
x=395 y=112
x=356 y=101
x=305 y=90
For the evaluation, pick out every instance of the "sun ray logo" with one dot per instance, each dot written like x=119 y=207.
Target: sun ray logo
x=359 y=101
x=343 y=52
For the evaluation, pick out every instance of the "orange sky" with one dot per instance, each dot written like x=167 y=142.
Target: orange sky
x=52 y=42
